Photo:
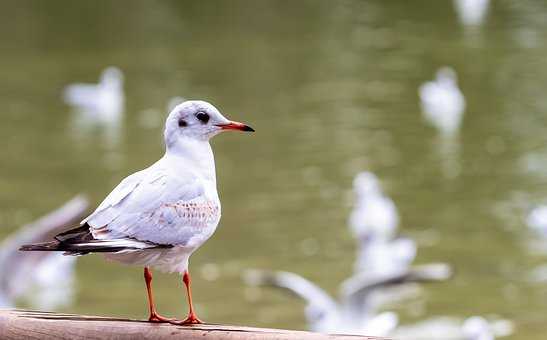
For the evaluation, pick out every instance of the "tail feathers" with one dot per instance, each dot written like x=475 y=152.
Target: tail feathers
x=80 y=241
x=93 y=246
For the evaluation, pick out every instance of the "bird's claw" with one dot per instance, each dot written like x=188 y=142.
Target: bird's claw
x=192 y=319
x=158 y=318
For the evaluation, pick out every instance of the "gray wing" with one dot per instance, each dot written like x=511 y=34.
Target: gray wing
x=295 y=284
x=106 y=211
x=356 y=290
x=360 y=285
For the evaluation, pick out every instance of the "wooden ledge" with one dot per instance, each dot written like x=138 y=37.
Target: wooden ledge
x=21 y=324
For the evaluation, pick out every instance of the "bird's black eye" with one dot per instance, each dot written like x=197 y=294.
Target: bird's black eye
x=202 y=117
x=182 y=123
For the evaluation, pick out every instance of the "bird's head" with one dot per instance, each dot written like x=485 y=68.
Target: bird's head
x=112 y=77
x=198 y=120
x=447 y=75
x=366 y=183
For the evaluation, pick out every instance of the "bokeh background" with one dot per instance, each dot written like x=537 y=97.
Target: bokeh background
x=331 y=88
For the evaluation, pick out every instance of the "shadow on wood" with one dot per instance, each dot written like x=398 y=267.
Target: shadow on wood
x=19 y=324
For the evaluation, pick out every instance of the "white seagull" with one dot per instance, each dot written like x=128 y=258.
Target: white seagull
x=357 y=310
x=102 y=102
x=160 y=215
x=374 y=215
x=443 y=104
x=471 y=12
x=374 y=221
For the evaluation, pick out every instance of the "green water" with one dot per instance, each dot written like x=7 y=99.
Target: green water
x=331 y=88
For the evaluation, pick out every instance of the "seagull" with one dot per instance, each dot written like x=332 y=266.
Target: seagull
x=102 y=102
x=375 y=215
x=443 y=104
x=357 y=310
x=374 y=221
x=50 y=283
x=471 y=12
x=159 y=216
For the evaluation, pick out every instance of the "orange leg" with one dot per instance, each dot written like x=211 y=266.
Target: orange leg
x=154 y=316
x=192 y=317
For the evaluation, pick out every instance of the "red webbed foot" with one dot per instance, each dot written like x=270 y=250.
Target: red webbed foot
x=192 y=319
x=158 y=318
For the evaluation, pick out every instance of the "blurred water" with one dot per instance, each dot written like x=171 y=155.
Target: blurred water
x=331 y=88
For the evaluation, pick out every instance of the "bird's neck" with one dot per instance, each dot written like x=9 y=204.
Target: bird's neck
x=192 y=154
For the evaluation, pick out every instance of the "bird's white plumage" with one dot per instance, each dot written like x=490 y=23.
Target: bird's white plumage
x=322 y=310
x=101 y=102
x=537 y=219
x=379 y=256
x=357 y=312
x=173 y=203
x=477 y=328
x=42 y=280
x=54 y=282
x=374 y=221
x=442 y=101
x=374 y=215
x=472 y=328
x=323 y=313
x=154 y=204
x=471 y=12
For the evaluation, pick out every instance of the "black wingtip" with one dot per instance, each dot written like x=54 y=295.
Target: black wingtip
x=247 y=128
x=47 y=246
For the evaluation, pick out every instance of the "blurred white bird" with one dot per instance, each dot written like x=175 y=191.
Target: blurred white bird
x=537 y=220
x=477 y=328
x=449 y=328
x=385 y=256
x=374 y=221
x=443 y=104
x=54 y=281
x=471 y=12
x=374 y=215
x=102 y=102
x=357 y=310
x=44 y=281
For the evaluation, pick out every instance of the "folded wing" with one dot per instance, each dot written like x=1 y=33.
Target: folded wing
x=154 y=206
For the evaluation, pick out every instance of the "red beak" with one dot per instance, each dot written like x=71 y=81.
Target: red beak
x=236 y=126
